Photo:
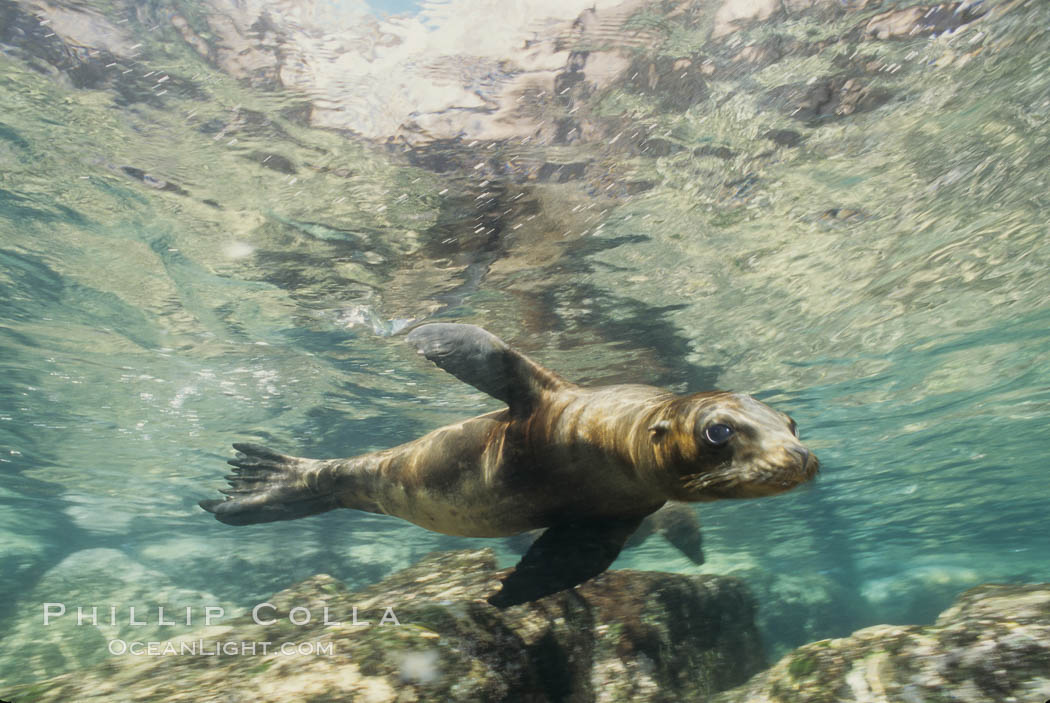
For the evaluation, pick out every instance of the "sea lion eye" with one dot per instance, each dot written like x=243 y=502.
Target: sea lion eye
x=794 y=429
x=717 y=435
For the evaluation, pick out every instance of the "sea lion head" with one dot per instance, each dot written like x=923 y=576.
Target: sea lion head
x=729 y=445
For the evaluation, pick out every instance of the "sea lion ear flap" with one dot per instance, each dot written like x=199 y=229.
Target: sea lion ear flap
x=659 y=429
x=484 y=361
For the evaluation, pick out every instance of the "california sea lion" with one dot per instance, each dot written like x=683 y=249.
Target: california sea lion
x=588 y=464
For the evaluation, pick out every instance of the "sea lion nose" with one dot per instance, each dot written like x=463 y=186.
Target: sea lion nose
x=801 y=452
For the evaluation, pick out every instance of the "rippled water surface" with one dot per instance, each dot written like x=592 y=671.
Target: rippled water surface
x=216 y=219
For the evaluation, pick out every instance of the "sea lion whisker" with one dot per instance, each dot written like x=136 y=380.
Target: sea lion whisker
x=725 y=478
x=705 y=481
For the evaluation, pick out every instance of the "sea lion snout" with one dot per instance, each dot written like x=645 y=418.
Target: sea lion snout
x=808 y=465
x=802 y=453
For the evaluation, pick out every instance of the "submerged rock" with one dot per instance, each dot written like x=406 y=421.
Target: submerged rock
x=993 y=644
x=51 y=628
x=921 y=20
x=626 y=635
x=829 y=98
x=734 y=13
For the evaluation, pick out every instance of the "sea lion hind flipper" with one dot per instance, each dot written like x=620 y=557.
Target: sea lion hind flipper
x=485 y=361
x=679 y=525
x=267 y=486
x=564 y=556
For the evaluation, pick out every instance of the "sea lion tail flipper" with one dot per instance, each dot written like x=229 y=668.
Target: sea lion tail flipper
x=564 y=556
x=266 y=486
x=484 y=361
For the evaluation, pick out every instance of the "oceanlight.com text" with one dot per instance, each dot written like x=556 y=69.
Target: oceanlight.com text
x=210 y=648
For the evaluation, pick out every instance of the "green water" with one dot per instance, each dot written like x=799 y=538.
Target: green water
x=219 y=263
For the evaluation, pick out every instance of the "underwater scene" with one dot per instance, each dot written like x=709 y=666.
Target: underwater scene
x=332 y=232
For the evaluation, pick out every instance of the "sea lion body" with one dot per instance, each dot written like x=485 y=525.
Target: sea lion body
x=587 y=463
x=497 y=475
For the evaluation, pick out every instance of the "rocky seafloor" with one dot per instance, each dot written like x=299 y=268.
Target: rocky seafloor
x=425 y=633
x=992 y=644
x=625 y=635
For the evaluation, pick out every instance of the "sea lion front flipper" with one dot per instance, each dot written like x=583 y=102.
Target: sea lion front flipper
x=564 y=556
x=484 y=361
